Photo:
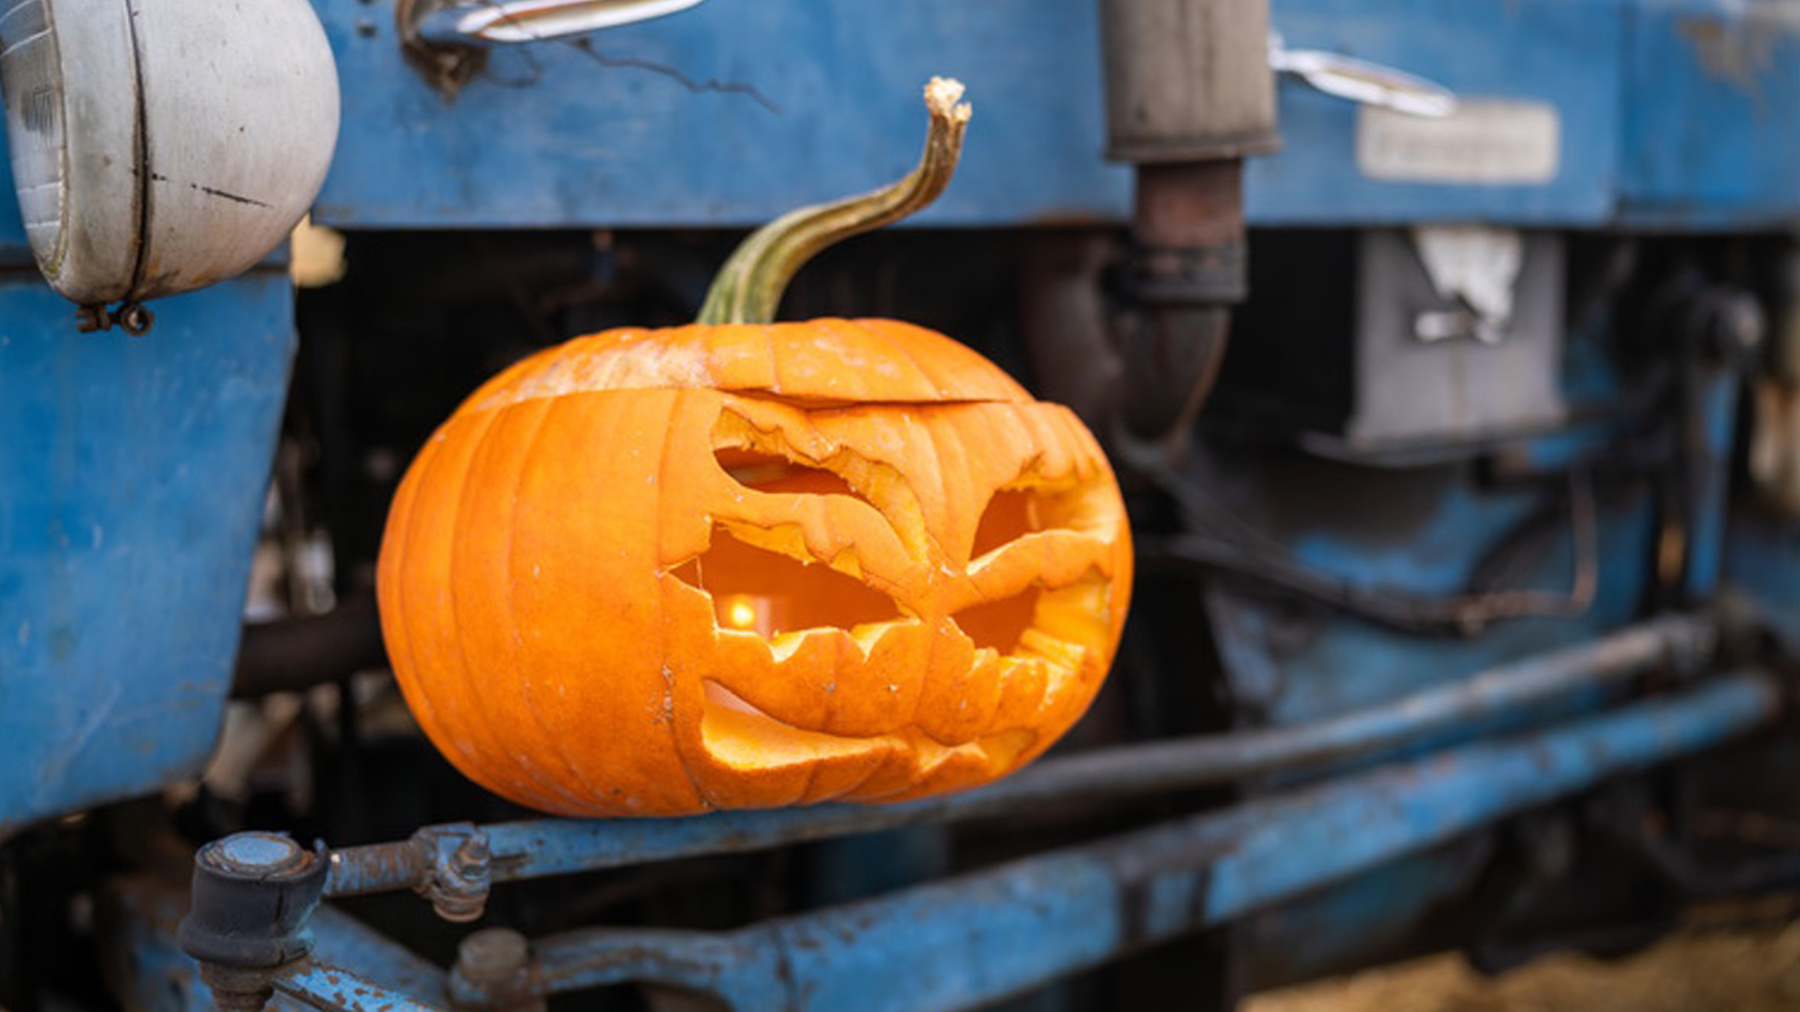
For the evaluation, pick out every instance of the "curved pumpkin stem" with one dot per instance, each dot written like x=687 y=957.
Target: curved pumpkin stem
x=749 y=286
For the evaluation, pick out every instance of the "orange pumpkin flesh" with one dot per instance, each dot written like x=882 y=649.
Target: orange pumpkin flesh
x=749 y=565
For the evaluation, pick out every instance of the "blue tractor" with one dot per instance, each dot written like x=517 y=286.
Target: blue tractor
x=1448 y=356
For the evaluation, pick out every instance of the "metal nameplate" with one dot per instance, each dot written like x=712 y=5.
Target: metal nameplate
x=1483 y=142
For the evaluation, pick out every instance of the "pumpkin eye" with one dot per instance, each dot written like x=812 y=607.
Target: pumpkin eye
x=755 y=590
x=1010 y=514
x=768 y=472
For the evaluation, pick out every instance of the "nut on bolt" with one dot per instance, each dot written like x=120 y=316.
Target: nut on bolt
x=461 y=870
x=494 y=973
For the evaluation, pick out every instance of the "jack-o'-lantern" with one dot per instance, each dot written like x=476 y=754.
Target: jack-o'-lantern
x=748 y=564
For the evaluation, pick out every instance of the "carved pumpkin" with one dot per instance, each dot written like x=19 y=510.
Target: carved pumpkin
x=745 y=565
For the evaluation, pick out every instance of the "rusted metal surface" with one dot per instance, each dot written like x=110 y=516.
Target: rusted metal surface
x=1186 y=266
x=1189 y=94
x=1062 y=315
x=448 y=865
x=333 y=990
x=1179 y=204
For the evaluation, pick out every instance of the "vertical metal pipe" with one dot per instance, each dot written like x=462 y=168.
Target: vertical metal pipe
x=1712 y=426
x=1189 y=94
x=1187 y=80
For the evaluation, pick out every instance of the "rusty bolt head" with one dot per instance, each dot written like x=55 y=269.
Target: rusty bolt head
x=492 y=954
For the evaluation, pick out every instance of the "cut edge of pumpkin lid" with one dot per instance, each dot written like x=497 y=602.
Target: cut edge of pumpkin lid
x=817 y=363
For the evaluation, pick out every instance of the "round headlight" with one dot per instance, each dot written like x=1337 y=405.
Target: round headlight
x=161 y=147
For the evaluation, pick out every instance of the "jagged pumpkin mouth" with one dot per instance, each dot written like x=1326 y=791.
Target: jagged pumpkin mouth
x=782 y=597
x=783 y=602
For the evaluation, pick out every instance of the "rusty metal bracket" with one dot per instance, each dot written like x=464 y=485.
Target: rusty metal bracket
x=450 y=865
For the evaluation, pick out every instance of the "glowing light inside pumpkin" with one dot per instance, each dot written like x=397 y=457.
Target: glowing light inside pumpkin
x=746 y=612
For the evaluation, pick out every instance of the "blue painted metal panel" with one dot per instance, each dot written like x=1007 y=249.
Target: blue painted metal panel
x=553 y=135
x=550 y=134
x=132 y=477
x=1682 y=120
x=1350 y=663
x=1712 y=128
x=1560 y=53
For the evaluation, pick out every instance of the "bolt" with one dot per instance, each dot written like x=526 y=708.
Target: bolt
x=237 y=989
x=459 y=890
x=492 y=954
x=256 y=854
x=471 y=855
x=494 y=973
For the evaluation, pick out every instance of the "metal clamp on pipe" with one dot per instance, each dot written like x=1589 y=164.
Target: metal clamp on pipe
x=1186 y=275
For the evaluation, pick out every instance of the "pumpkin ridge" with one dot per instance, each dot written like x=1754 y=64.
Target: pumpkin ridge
x=942 y=370
x=507 y=397
x=905 y=350
x=490 y=445
x=479 y=441
x=396 y=634
x=509 y=600
x=474 y=730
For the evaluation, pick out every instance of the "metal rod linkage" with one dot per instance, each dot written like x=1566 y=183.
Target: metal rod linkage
x=972 y=940
x=539 y=848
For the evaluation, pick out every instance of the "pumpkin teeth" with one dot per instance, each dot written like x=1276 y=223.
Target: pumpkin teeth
x=865 y=637
x=738 y=733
